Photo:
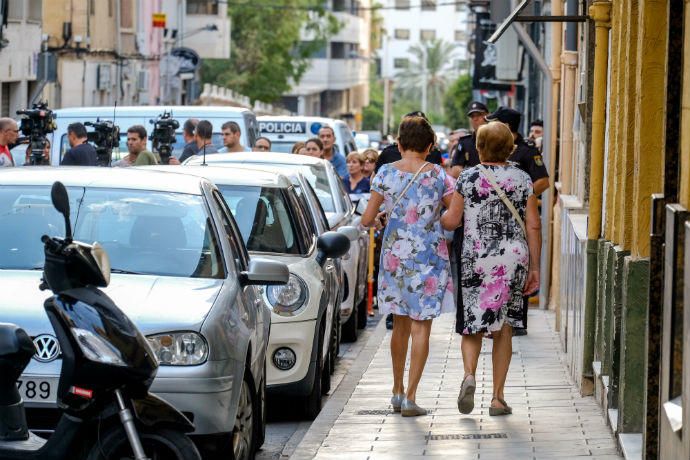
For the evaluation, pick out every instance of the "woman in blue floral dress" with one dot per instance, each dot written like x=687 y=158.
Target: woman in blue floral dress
x=500 y=257
x=414 y=274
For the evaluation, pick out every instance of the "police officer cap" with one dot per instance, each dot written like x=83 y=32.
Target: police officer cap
x=476 y=106
x=506 y=115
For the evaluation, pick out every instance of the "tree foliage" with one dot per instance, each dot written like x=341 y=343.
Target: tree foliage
x=267 y=54
x=457 y=99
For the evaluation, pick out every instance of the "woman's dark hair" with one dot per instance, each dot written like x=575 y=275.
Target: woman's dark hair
x=416 y=134
x=316 y=141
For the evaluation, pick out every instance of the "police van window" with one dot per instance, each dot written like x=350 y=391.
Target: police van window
x=119 y=151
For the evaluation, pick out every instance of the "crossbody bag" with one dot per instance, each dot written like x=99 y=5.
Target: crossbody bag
x=502 y=195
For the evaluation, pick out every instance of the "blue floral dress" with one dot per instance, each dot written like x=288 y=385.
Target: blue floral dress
x=495 y=257
x=414 y=272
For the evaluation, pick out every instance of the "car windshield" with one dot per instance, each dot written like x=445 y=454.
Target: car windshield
x=143 y=232
x=263 y=216
x=318 y=178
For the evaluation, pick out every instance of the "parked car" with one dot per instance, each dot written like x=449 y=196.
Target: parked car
x=284 y=131
x=180 y=271
x=303 y=344
x=339 y=211
x=127 y=116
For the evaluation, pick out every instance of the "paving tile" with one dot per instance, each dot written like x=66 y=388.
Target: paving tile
x=550 y=419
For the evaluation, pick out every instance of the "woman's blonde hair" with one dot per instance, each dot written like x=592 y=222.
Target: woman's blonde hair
x=370 y=153
x=357 y=156
x=495 y=142
x=297 y=147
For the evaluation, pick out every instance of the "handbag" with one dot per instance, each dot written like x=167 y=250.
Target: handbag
x=502 y=195
x=407 y=187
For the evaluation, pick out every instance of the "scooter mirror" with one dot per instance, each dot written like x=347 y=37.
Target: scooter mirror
x=58 y=194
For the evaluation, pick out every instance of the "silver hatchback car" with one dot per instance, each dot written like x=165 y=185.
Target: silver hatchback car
x=180 y=271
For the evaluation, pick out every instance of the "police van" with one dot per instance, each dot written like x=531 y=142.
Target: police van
x=284 y=131
x=146 y=115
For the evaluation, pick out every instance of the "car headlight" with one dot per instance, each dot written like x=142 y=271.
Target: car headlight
x=96 y=348
x=287 y=299
x=179 y=348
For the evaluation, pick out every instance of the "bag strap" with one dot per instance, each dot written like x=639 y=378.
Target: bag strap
x=502 y=195
x=407 y=187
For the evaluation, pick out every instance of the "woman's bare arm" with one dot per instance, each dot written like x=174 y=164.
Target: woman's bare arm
x=451 y=219
x=533 y=224
x=372 y=210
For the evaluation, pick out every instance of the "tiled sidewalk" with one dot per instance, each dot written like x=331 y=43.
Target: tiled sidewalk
x=550 y=419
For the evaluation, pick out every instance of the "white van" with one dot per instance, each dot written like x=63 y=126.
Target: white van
x=284 y=131
x=145 y=115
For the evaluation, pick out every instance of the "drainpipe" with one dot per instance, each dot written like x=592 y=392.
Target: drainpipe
x=600 y=12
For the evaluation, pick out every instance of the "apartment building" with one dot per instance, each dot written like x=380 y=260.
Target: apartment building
x=337 y=81
x=410 y=22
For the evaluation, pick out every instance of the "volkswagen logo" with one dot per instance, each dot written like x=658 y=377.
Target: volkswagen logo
x=47 y=348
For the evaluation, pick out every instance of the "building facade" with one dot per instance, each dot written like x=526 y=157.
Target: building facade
x=109 y=51
x=337 y=81
x=20 y=45
x=409 y=22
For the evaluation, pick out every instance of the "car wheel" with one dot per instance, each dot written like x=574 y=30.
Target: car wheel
x=312 y=405
x=350 y=327
x=260 y=430
x=335 y=344
x=243 y=438
x=326 y=374
x=157 y=443
x=362 y=314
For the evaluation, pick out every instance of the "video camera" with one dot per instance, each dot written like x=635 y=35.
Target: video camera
x=34 y=125
x=106 y=135
x=163 y=135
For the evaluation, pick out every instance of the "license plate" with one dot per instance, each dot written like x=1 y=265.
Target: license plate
x=38 y=389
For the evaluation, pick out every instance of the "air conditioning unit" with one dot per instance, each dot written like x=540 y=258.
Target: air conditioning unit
x=142 y=81
x=103 y=81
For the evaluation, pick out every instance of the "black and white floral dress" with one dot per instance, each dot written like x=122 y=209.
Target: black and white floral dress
x=495 y=257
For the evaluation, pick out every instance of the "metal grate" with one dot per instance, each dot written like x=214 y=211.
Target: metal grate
x=445 y=437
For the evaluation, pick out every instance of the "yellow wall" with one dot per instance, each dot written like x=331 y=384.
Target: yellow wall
x=684 y=195
x=99 y=27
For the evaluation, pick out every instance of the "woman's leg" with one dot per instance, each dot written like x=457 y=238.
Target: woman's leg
x=500 y=357
x=420 y=331
x=471 y=346
x=399 y=341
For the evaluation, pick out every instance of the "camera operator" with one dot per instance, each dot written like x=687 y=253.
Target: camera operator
x=81 y=152
x=190 y=149
x=203 y=134
x=9 y=132
x=45 y=158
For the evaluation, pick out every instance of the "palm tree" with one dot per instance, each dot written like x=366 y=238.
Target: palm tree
x=439 y=72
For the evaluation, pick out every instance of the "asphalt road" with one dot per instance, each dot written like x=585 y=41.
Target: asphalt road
x=285 y=428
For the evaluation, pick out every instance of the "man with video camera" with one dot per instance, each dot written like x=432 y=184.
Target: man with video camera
x=9 y=131
x=81 y=152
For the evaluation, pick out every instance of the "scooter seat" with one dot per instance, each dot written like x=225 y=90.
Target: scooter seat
x=15 y=343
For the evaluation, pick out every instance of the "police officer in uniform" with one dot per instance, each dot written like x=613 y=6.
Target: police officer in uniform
x=465 y=154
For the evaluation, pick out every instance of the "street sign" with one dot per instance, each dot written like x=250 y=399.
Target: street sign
x=159 y=20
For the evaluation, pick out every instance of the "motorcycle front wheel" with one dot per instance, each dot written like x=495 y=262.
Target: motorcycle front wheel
x=159 y=444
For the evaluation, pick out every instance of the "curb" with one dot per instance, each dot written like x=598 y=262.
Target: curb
x=317 y=433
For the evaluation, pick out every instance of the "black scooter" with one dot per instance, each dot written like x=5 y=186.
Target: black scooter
x=107 y=369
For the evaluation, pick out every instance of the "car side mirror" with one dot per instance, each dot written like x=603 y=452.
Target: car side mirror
x=331 y=245
x=60 y=199
x=264 y=272
x=350 y=232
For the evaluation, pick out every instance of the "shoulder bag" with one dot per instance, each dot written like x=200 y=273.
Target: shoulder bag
x=502 y=195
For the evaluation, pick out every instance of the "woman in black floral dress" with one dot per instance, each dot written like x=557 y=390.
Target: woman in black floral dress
x=500 y=256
